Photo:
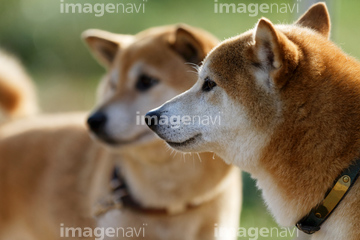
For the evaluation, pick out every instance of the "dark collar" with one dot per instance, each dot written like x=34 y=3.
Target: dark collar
x=311 y=223
x=123 y=197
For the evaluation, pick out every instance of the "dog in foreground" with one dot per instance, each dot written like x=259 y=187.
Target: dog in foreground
x=52 y=173
x=289 y=101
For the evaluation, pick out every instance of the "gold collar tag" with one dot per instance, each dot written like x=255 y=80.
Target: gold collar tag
x=333 y=198
x=311 y=223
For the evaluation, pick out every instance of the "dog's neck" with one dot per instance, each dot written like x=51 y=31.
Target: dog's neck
x=292 y=191
x=172 y=180
x=305 y=156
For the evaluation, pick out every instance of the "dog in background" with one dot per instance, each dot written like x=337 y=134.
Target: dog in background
x=193 y=192
x=52 y=173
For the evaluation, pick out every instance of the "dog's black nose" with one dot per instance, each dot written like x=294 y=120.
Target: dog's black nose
x=97 y=122
x=152 y=119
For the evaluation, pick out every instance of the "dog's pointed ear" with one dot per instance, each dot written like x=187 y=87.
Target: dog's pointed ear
x=317 y=18
x=275 y=54
x=187 y=44
x=104 y=45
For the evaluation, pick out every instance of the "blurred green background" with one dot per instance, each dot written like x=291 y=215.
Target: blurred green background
x=49 y=45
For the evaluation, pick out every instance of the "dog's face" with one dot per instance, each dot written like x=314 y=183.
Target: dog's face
x=225 y=103
x=241 y=82
x=143 y=71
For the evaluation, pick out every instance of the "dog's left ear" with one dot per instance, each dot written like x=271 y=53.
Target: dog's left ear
x=274 y=53
x=185 y=42
x=104 y=45
x=317 y=18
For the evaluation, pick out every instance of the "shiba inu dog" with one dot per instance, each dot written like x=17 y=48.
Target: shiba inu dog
x=53 y=176
x=143 y=71
x=289 y=101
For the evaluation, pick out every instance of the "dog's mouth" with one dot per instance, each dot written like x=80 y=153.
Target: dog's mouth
x=185 y=143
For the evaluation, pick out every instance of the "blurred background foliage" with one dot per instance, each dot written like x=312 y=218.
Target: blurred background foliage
x=49 y=45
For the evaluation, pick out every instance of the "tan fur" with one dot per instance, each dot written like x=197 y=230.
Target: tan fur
x=47 y=167
x=52 y=173
x=295 y=97
x=17 y=94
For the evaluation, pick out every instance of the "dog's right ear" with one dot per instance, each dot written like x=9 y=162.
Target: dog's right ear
x=185 y=42
x=104 y=45
x=275 y=55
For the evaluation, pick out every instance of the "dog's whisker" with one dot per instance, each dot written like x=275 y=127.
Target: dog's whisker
x=199 y=157
x=173 y=152
x=189 y=71
x=168 y=149
x=194 y=66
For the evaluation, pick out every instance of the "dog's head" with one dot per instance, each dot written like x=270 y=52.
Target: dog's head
x=143 y=71
x=243 y=82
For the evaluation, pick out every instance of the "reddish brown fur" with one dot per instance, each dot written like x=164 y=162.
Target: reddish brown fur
x=315 y=131
x=320 y=133
x=227 y=65
x=317 y=13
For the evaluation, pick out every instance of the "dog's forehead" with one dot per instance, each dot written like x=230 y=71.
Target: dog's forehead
x=152 y=55
x=141 y=52
x=142 y=47
x=228 y=58
x=152 y=49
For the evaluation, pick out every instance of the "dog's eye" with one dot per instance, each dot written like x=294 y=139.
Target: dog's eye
x=208 y=85
x=145 y=82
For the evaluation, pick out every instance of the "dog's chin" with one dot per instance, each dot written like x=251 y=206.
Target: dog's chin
x=190 y=145
x=120 y=143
